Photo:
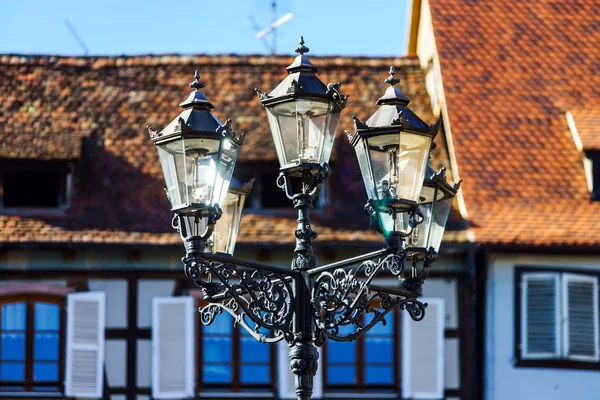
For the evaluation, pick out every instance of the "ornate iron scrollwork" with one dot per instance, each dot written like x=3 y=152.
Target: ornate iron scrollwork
x=340 y=298
x=256 y=298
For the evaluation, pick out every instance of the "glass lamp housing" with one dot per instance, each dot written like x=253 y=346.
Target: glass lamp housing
x=226 y=229
x=303 y=115
x=392 y=149
x=197 y=154
x=436 y=197
x=303 y=131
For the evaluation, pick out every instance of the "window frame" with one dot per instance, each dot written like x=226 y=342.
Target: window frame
x=269 y=389
x=521 y=360
x=360 y=366
x=30 y=299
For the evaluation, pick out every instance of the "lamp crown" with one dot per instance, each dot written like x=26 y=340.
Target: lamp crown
x=301 y=49
x=392 y=80
x=197 y=83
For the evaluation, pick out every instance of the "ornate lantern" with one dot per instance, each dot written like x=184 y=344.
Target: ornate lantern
x=226 y=229
x=392 y=149
x=303 y=115
x=197 y=154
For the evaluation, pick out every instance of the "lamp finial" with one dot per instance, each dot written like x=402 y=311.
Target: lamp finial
x=392 y=80
x=301 y=49
x=197 y=83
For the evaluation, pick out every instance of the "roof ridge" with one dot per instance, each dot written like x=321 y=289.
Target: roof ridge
x=206 y=59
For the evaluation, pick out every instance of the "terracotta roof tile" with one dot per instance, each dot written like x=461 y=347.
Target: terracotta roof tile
x=587 y=123
x=511 y=70
x=95 y=110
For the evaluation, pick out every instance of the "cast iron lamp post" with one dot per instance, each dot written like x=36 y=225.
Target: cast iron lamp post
x=306 y=304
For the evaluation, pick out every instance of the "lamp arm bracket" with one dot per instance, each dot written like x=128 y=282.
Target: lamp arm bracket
x=263 y=297
x=241 y=264
x=414 y=307
x=344 y=296
x=347 y=262
x=209 y=312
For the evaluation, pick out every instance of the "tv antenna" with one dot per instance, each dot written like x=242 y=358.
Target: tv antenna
x=271 y=30
x=76 y=36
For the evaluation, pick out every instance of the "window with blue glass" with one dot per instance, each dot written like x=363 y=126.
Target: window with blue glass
x=232 y=360
x=31 y=337
x=370 y=364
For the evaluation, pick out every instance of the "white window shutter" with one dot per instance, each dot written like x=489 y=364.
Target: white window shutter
x=580 y=307
x=84 y=377
x=173 y=347
x=423 y=352
x=286 y=385
x=540 y=315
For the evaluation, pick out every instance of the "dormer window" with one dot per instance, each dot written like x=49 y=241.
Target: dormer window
x=584 y=125
x=265 y=195
x=34 y=185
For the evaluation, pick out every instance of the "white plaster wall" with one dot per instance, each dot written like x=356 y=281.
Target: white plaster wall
x=502 y=379
x=115 y=352
x=116 y=300
x=147 y=290
x=427 y=53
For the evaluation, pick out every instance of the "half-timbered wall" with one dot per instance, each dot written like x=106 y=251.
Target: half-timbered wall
x=131 y=279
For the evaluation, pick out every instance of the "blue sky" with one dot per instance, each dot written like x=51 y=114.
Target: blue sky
x=345 y=27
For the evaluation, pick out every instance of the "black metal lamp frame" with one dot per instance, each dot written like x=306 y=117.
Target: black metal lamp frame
x=306 y=305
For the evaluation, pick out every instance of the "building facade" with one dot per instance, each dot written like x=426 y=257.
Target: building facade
x=516 y=84
x=93 y=299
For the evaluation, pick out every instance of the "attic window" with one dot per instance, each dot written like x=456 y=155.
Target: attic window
x=265 y=195
x=584 y=125
x=34 y=185
x=592 y=173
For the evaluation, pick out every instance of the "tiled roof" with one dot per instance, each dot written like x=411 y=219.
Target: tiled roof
x=511 y=71
x=99 y=108
x=587 y=124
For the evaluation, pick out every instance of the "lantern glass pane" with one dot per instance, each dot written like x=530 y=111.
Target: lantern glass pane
x=398 y=163
x=226 y=230
x=420 y=235
x=227 y=160
x=192 y=226
x=441 y=211
x=399 y=224
x=303 y=131
x=362 y=155
x=172 y=161
x=330 y=129
x=201 y=156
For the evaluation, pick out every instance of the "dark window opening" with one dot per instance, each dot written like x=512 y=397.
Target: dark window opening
x=274 y=197
x=594 y=157
x=33 y=189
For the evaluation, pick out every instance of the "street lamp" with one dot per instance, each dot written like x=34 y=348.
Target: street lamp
x=305 y=305
x=197 y=154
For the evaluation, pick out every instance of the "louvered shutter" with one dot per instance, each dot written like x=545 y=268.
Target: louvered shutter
x=173 y=347
x=423 y=352
x=580 y=307
x=85 y=345
x=286 y=385
x=540 y=315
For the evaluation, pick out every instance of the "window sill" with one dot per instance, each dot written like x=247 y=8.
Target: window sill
x=22 y=395
x=558 y=364
x=229 y=395
x=34 y=211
